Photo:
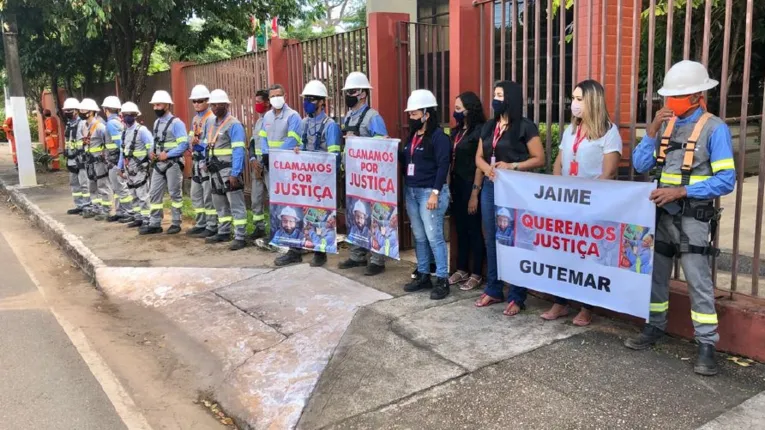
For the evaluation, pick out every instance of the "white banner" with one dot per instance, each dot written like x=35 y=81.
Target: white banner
x=303 y=204
x=586 y=240
x=371 y=188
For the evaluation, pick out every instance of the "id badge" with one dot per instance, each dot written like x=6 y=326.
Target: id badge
x=410 y=169
x=573 y=169
x=493 y=160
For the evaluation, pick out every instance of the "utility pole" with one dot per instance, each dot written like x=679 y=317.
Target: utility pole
x=27 y=175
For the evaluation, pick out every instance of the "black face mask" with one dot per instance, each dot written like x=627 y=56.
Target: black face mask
x=129 y=119
x=220 y=111
x=83 y=115
x=415 y=124
x=70 y=115
x=159 y=112
x=351 y=101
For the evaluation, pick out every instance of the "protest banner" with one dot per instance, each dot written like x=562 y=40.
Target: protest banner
x=585 y=240
x=303 y=202
x=371 y=178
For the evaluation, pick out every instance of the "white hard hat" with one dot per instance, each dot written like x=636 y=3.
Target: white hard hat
x=357 y=80
x=161 y=96
x=421 y=99
x=130 y=107
x=88 y=104
x=199 y=92
x=111 y=102
x=360 y=207
x=71 y=103
x=314 y=88
x=219 y=96
x=686 y=78
x=503 y=212
x=288 y=211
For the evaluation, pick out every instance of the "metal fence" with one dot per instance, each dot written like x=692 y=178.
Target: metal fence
x=537 y=45
x=328 y=59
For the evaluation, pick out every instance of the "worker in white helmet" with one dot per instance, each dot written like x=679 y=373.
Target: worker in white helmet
x=504 y=227
x=170 y=142
x=97 y=166
x=361 y=120
x=289 y=231
x=359 y=231
x=134 y=163
x=75 y=157
x=226 y=163
x=201 y=189
x=123 y=200
x=693 y=154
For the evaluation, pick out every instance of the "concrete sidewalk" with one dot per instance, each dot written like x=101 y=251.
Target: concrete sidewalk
x=321 y=348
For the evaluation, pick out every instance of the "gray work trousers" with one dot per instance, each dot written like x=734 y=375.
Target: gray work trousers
x=78 y=182
x=141 y=196
x=202 y=199
x=259 y=199
x=359 y=254
x=231 y=209
x=124 y=199
x=171 y=181
x=698 y=273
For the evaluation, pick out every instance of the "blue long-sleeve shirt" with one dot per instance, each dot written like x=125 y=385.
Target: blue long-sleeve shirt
x=281 y=139
x=431 y=165
x=720 y=150
x=178 y=130
x=114 y=128
x=376 y=123
x=388 y=244
x=144 y=140
x=641 y=261
x=236 y=133
x=326 y=242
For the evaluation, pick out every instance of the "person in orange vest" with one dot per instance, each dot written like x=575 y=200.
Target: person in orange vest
x=51 y=138
x=8 y=128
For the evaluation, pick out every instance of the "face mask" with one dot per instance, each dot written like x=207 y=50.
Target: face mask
x=459 y=116
x=83 y=115
x=499 y=106
x=129 y=119
x=415 y=124
x=351 y=101
x=220 y=111
x=261 y=108
x=277 y=102
x=309 y=107
x=681 y=105
x=159 y=113
x=71 y=115
x=576 y=108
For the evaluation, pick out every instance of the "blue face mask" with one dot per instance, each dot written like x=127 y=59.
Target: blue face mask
x=459 y=116
x=499 y=106
x=129 y=119
x=309 y=107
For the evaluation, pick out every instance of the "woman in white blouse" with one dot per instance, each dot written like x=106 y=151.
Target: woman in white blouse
x=591 y=147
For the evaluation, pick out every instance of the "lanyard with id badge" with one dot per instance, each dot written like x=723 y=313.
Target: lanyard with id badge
x=573 y=169
x=416 y=140
x=498 y=131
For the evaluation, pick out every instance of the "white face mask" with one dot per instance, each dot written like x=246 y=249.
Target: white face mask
x=277 y=102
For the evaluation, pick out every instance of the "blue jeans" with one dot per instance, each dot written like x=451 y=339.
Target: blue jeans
x=428 y=228
x=488 y=215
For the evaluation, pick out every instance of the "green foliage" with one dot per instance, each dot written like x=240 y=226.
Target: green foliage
x=555 y=133
x=41 y=158
x=33 y=126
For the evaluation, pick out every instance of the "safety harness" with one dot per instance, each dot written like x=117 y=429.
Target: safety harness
x=704 y=213
x=355 y=129
x=92 y=159
x=319 y=135
x=73 y=151
x=215 y=165
x=159 y=146
x=141 y=159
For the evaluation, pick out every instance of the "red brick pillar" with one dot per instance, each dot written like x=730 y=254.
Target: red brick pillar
x=382 y=64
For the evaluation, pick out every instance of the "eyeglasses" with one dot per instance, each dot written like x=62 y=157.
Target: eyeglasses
x=352 y=92
x=200 y=101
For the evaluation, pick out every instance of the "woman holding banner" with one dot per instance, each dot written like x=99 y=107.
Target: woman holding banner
x=466 y=182
x=511 y=142
x=426 y=158
x=590 y=148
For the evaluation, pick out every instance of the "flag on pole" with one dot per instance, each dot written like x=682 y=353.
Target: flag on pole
x=275 y=27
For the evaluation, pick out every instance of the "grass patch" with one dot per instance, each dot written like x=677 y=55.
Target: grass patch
x=187 y=211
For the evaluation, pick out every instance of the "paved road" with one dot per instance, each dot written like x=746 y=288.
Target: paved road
x=44 y=382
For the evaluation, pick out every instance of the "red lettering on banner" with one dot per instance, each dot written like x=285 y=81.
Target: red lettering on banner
x=300 y=166
x=371 y=182
x=318 y=192
x=585 y=235
x=372 y=155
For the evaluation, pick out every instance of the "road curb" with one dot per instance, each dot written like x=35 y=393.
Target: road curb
x=82 y=256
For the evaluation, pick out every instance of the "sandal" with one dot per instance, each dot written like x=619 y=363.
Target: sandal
x=555 y=312
x=512 y=309
x=486 y=300
x=457 y=277
x=583 y=318
x=471 y=283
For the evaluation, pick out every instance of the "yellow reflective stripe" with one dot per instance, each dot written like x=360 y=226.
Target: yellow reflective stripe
x=675 y=179
x=237 y=144
x=116 y=137
x=660 y=307
x=140 y=154
x=211 y=212
x=156 y=206
x=238 y=222
x=111 y=146
x=258 y=151
x=127 y=199
x=333 y=148
x=76 y=194
x=295 y=136
x=225 y=219
x=275 y=143
x=105 y=203
x=96 y=149
x=262 y=133
x=258 y=217
x=704 y=318
x=224 y=151
x=182 y=139
x=177 y=205
x=96 y=201
x=724 y=164
x=170 y=145
x=86 y=194
x=199 y=210
x=146 y=212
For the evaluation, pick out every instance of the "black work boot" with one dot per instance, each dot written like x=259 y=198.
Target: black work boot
x=174 y=229
x=204 y=234
x=101 y=217
x=88 y=214
x=291 y=257
x=319 y=258
x=74 y=211
x=432 y=271
x=114 y=218
x=237 y=244
x=373 y=269
x=150 y=230
x=260 y=232
x=420 y=283
x=135 y=223
x=194 y=231
x=218 y=238
x=705 y=363
x=350 y=264
x=645 y=339
x=126 y=219
x=441 y=290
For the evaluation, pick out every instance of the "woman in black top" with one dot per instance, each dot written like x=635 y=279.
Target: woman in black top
x=466 y=189
x=509 y=141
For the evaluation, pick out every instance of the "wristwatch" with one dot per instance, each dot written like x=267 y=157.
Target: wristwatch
x=476 y=187
x=435 y=191
x=514 y=166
